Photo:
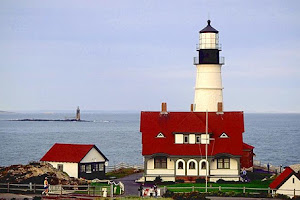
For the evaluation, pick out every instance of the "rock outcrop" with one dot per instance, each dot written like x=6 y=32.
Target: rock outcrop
x=35 y=173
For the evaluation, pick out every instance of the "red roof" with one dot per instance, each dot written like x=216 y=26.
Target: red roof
x=152 y=123
x=285 y=175
x=247 y=146
x=67 y=152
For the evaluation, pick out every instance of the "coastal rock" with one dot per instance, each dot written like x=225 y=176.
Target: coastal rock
x=295 y=167
x=35 y=173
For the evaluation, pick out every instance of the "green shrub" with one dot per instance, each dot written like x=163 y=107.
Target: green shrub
x=179 y=181
x=168 y=194
x=158 y=180
x=191 y=195
x=200 y=180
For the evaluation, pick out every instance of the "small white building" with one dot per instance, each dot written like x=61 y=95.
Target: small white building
x=287 y=183
x=77 y=160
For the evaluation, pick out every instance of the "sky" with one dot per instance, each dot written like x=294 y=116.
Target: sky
x=121 y=55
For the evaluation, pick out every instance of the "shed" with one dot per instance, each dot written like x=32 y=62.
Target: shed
x=77 y=160
x=287 y=183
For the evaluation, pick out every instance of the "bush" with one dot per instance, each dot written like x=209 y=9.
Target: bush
x=200 y=180
x=223 y=181
x=168 y=194
x=179 y=181
x=191 y=195
x=158 y=180
x=282 y=196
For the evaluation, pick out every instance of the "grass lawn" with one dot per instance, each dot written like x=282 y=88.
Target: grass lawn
x=96 y=189
x=236 y=187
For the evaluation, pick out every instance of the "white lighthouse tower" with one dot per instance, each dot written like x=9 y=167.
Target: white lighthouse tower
x=208 y=89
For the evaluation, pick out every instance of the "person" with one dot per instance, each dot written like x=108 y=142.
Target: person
x=244 y=174
x=141 y=190
x=268 y=166
x=46 y=186
x=155 y=190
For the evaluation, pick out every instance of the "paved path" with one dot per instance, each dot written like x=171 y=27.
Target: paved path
x=131 y=187
x=9 y=196
x=238 y=198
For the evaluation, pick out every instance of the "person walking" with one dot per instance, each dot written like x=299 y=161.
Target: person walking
x=141 y=190
x=155 y=190
x=46 y=187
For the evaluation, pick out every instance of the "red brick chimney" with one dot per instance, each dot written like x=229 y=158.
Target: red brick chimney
x=163 y=108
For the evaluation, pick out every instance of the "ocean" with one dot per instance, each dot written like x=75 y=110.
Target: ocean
x=276 y=137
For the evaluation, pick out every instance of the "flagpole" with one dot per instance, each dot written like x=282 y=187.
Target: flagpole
x=206 y=134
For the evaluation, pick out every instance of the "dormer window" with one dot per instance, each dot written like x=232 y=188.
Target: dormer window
x=198 y=139
x=160 y=135
x=185 y=139
x=224 y=135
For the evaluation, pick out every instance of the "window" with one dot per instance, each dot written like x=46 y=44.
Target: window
x=160 y=135
x=293 y=180
x=192 y=165
x=185 y=139
x=160 y=163
x=198 y=139
x=223 y=163
x=203 y=165
x=88 y=168
x=180 y=165
x=101 y=167
x=60 y=167
x=204 y=139
x=82 y=168
x=96 y=167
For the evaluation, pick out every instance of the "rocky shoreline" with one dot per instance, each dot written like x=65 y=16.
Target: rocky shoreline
x=36 y=172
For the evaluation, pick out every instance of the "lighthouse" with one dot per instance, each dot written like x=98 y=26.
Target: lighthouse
x=208 y=88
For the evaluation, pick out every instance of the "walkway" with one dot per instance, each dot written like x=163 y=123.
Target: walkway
x=131 y=187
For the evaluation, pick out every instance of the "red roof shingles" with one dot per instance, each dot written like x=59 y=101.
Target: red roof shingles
x=67 y=152
x=232 y=123
x=286 y=174
x=247 y=146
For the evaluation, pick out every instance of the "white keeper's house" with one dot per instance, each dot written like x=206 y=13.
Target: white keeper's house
x=77 y=160
x=205 y=141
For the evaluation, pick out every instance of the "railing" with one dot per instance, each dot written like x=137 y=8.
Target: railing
x=209 y=46
x=124 y=165
x=264 y=166
x=91 y=190
x=221 y=60
x=243 y=190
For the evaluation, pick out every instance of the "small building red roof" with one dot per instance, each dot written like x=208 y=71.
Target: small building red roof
x=247 y=146
x=68 y=152
x=153 y=123
x=284 y=176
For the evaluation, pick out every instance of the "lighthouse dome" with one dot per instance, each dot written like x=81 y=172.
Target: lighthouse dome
x=209 y=28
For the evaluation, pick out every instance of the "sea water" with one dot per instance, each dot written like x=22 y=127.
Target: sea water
x=276 y=137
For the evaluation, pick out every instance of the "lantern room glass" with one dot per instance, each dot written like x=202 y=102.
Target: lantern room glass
x=209 y=41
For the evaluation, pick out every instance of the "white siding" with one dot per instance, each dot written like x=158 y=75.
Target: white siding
x=288 y=187
x=92 y=156
x=169 y=171
x=232 y=171
x=70 y=168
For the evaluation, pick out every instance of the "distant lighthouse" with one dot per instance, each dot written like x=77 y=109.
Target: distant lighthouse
x=78 y=114
x=208 y=89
